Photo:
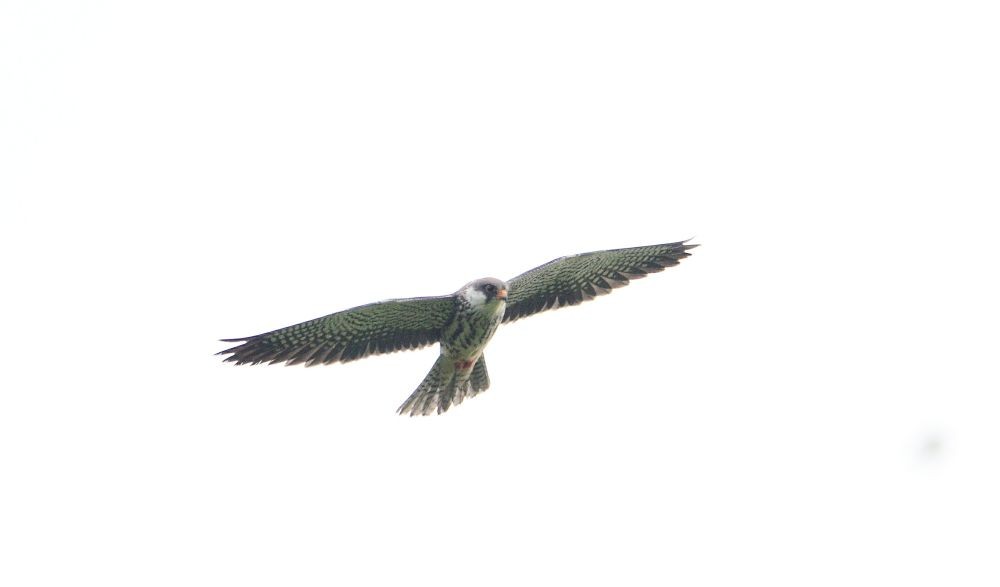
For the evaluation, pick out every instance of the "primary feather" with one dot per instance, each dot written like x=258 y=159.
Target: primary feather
x=372 y=329
x=578 y=278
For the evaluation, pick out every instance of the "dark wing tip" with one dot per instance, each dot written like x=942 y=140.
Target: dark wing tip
x=233 y=350
x=672 y=253
x=247 y=352
x=683 y=245
x=679 y=250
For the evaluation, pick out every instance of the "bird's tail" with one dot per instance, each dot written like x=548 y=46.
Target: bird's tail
x=446 y=384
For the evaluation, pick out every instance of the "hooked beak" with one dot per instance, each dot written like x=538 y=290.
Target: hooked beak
x=502 y=295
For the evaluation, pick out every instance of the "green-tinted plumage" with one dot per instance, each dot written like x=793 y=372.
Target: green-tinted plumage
x=463 y=322
x=382 y=327
x=578 y=278
x=446 y=386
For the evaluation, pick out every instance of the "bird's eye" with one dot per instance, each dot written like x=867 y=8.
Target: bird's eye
x=491 y=289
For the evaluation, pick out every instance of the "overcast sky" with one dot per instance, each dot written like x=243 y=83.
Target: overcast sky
x=810 y=399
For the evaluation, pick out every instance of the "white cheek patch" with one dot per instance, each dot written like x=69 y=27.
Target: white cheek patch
x=475 y=297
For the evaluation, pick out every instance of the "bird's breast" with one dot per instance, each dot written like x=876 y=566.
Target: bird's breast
x=469 y=332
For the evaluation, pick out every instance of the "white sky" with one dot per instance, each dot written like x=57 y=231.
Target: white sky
x=810 y=399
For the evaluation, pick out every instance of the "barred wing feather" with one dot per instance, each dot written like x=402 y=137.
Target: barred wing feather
x=578 y=278
x=372 y=329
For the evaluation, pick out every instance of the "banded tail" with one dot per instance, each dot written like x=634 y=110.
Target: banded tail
x=446 y=384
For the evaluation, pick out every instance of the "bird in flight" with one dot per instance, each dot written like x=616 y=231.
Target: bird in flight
x=463 y=322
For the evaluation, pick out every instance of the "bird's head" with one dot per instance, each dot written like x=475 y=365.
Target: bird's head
x=486 y=292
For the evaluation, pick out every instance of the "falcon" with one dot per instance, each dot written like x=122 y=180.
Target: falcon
x=462 y=323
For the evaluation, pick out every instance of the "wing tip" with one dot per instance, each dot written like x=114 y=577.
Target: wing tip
x=679 y=250
x=245 y=353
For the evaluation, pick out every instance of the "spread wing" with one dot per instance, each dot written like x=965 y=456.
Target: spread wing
x=373 y=329
x=578 y=278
